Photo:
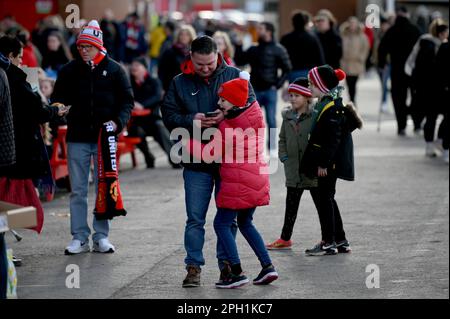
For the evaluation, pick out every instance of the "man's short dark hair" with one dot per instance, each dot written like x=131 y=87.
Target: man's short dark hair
x=269 y=27
x=204 y=45
x=401 y=9
x=170 y=25
x=10 y=45
x=300 y=19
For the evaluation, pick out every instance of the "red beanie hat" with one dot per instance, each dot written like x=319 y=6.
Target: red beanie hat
x=236 y=91
x=92 y=34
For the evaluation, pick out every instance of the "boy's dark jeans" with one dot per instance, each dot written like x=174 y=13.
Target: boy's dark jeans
x=329 y=215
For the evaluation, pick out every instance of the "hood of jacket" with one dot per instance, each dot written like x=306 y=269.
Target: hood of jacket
x=4 y=62
x=187 y=67
x=427 y=36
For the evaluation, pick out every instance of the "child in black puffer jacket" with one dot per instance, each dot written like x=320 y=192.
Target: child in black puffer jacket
x=329 y=154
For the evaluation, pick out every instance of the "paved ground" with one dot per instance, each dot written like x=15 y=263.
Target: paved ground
x=396 y=215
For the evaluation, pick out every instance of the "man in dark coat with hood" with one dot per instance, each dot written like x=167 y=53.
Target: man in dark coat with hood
x=303 y=47
x=329 y=37
x=398 y=43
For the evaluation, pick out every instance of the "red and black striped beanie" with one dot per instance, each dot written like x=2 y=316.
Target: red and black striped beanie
x=325 y=78
x=300 y=86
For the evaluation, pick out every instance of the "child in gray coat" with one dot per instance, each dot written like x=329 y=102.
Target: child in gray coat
x=294 y=135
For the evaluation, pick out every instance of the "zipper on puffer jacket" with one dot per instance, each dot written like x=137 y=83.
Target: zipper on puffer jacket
x=92 y=99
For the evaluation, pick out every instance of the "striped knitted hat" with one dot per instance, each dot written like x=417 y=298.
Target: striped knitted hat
x=92 y=34
x=300 y=86
x=325 y=78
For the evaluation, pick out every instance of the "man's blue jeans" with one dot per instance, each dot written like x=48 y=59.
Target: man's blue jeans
x=79 y=157
x=268 y=100
x=198 y=187
x=223 y=226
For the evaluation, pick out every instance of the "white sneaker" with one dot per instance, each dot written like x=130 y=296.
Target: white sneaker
x=438 y=145
x=384 y=108
x=104 y=246
x=77 y=247
x=445 y=156
x=430 y=151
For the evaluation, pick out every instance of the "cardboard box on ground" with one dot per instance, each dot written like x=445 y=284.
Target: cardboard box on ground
x=15 y=216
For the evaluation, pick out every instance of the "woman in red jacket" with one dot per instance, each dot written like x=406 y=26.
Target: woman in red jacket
x=244 y=182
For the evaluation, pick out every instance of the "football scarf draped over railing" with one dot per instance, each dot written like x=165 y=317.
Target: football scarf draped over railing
x=109 y=198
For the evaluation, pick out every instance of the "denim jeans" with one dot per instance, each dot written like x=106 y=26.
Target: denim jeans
x=223 y=226
x=385 y=75
x=79 y=157
x=268 y=99
x=198 y=187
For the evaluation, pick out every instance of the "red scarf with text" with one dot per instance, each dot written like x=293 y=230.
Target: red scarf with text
x=109 y=198
x=97 y=59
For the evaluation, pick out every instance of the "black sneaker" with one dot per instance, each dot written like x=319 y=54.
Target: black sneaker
x=225 y=272
x=193 y=277
x=17 y=261
x=232 y=281
x=343 y=247
x=322 y=249
x=266 y=276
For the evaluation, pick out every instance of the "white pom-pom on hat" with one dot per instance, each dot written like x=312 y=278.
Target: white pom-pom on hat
x=94 y=23
x=236 y=91
x=244 y=75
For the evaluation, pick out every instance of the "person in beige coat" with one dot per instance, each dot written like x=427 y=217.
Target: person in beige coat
x=355 y=51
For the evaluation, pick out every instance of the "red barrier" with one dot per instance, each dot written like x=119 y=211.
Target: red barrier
x=58 y=159
x=128 y=144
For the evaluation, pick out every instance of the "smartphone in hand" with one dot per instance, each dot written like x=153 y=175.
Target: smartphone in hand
x=63 y=110
x=212 y=114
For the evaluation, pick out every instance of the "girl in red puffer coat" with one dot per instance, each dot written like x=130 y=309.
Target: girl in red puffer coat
x=244 y=182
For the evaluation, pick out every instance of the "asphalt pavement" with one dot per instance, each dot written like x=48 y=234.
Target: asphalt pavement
x=396 y=216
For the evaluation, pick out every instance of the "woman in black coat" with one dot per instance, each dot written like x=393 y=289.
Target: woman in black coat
x=170 y=61
x=56 y=55
x=16 y=181
x=421 y=65
x=330 y=39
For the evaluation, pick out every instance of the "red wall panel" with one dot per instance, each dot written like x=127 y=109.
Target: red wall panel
x=26 y=11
